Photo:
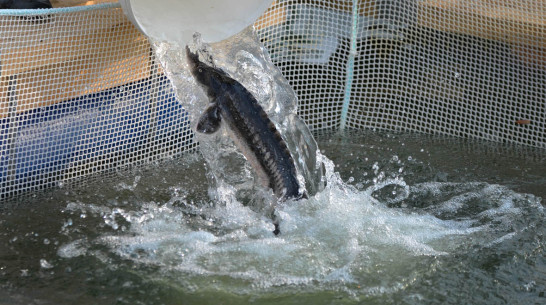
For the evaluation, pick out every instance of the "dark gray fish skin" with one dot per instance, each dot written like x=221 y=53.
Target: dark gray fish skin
x=234 y=105
x=24 y=4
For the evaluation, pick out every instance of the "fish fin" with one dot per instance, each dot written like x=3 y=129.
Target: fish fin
x=210 y=120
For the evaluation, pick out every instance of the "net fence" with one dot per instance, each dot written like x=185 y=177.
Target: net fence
x=81 y=91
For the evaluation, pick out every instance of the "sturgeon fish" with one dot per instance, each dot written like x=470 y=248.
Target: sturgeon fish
x=249 y=127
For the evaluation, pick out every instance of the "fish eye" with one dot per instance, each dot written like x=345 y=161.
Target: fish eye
x=200 y=70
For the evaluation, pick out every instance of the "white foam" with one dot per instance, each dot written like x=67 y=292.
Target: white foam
x=338 y=237
x=72 y=249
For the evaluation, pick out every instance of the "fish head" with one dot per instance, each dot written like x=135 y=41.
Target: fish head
x=206 y=75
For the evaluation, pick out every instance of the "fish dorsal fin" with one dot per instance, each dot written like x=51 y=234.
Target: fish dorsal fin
x=210 y=120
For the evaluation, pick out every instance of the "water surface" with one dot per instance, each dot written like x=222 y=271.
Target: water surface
x=405 y=219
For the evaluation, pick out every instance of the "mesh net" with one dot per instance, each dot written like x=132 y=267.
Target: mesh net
x=463 y=68
x=81 y=91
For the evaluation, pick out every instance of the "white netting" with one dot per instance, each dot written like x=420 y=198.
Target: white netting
x=81 y=91
x=473 y=68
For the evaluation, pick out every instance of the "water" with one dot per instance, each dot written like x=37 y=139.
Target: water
x=405 y=219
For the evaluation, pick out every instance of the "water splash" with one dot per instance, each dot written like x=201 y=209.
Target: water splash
x=341 y=239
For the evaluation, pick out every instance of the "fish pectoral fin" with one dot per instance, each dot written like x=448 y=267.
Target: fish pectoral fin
x=210 y=120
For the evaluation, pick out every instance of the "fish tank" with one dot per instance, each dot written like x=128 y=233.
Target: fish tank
x=428 y=119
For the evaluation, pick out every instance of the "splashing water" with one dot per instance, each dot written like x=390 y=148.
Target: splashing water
x=342 y=239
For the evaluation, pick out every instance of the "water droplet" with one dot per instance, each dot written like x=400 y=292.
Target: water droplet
x=45 y=264
x=46 y=241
